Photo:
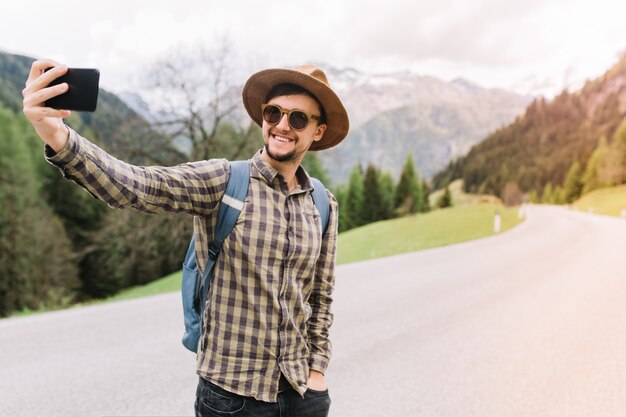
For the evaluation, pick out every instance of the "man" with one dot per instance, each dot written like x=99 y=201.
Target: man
x=264 y=348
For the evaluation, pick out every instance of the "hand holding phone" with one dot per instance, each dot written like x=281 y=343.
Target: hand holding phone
x=82 y=94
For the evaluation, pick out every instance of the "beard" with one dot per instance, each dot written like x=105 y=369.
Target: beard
x=291 y=156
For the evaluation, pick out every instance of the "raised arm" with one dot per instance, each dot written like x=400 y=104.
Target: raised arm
x=48 y=122
x=194 y=188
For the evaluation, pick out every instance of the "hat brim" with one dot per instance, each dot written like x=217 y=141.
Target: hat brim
x=259 y=85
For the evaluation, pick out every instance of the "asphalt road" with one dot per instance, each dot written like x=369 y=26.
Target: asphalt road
x=531 y=322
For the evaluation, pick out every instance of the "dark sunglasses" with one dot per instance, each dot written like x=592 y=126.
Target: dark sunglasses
x=298 y=119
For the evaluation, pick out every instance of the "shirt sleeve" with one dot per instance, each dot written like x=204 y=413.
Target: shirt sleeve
x=194 y=187
x=321 y=297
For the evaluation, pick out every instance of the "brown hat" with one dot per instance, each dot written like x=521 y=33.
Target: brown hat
x=312 y=79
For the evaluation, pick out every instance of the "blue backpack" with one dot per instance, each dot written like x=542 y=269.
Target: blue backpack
x=195 y=286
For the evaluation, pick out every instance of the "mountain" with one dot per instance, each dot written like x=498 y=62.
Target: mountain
x=540 y=146
x=135 y=102
x=396 y=114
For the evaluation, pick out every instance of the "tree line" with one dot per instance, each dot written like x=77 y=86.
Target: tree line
x=372 y=195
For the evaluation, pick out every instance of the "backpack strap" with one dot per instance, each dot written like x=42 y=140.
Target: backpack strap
x=320 y=198
x=228 y=212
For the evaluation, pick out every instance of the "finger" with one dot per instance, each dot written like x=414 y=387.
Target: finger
x=38 y=98
x=39 y=66
x=37 y=113
x=44 y=78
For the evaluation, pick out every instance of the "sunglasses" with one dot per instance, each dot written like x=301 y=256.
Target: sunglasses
x=298 y=119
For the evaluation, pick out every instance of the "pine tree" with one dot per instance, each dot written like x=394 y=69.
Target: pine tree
x=591 y=178
x=425 y=203
x=354 y=199
x=386 y=194
x=445 y=200
x=547 y=196
x=573 y=185
x=372 y=210
x=619 y=152
x=341 y=194
x=559 y=196
x=409 y=194
x=314 y=168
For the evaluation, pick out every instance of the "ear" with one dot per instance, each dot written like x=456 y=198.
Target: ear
x=319 y=132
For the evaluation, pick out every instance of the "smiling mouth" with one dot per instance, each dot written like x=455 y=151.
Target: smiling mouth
x=282 y=139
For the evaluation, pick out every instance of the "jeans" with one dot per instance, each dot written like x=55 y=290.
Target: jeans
x=213 y=401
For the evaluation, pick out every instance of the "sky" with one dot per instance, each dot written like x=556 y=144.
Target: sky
x=529 y=46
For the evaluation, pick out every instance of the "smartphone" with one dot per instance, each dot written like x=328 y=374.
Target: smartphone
x=82 y=94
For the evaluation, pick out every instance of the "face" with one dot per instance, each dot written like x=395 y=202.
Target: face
x=284 y=144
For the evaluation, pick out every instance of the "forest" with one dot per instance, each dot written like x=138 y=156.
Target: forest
x=558 y=149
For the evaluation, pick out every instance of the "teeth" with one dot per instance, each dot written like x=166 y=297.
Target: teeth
x=282 y=139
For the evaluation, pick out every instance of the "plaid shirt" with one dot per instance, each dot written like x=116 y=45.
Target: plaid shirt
x=269 y=302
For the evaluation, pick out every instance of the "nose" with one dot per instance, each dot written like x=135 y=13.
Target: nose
x=283 y=124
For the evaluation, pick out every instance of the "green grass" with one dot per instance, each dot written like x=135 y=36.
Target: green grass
x=162 y=285
x=168 y=283
x=609 y=201
x=422 y=231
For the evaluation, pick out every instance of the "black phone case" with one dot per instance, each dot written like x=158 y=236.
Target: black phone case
x=82 y=94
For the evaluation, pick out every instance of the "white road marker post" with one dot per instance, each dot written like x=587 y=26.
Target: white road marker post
x=497 y=222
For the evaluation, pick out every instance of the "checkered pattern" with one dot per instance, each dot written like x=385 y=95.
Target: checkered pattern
x=269 y=303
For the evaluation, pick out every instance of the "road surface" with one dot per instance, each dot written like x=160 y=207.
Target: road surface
x=531 y=323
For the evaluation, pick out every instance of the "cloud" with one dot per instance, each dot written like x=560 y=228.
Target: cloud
x=493 y=42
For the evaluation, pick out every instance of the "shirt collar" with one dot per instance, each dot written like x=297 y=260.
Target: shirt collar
x=270 y=174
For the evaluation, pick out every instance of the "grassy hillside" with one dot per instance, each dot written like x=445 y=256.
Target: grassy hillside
x=165 y=284
x=609 y=201
x=423 y=231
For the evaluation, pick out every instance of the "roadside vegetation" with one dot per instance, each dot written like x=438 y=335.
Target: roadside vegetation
x=437 y=228
x=608 y=201
x=466 y=217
